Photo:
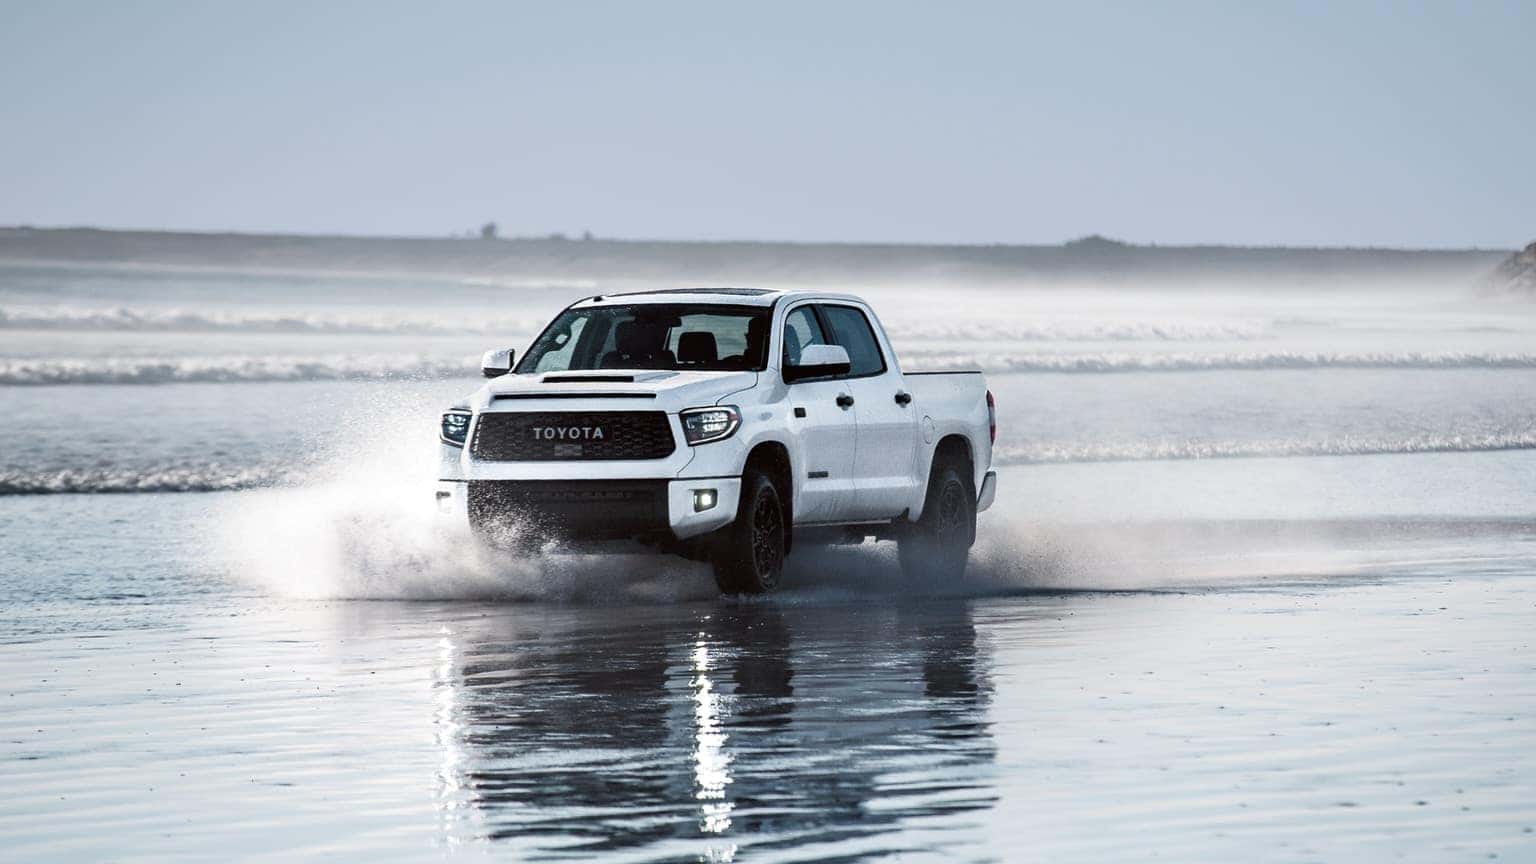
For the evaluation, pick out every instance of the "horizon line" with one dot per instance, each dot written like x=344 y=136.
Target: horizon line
x=588 y=237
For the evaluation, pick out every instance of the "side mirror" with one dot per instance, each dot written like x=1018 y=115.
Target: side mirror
x=497 y=363
x=818 y=361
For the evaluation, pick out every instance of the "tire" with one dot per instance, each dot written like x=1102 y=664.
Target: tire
x=749 y=558
x=937 y=545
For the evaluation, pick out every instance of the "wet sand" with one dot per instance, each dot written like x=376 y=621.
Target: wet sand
x=1381 y=707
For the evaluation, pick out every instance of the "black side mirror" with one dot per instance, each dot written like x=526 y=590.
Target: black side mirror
x=497 y=362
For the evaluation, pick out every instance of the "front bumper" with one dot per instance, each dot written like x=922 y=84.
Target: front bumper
x=579 y=510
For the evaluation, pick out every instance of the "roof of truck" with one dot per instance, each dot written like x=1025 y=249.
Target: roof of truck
x=723 y=296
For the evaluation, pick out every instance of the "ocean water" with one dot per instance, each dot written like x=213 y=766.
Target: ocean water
x=1258 y=586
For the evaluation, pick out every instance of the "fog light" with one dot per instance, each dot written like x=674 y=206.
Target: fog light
x=703 y=499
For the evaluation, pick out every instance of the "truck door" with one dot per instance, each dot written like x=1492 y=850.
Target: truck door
x=823 y=420
x=887 y=428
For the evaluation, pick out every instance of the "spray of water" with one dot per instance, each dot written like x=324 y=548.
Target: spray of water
x=369 y=534
x=370 y=530
x=365 y=525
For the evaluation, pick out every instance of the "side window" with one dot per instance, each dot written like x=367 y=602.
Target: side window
x=800 y=329
x=560 y=357
x=851 y=330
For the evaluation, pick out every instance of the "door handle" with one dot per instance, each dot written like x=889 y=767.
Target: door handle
x=903 y=397
x=844 y=400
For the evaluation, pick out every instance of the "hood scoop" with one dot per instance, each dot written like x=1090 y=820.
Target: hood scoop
x=584 y=379
x=572 y=394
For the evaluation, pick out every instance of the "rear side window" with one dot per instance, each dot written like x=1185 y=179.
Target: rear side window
x=851 y=330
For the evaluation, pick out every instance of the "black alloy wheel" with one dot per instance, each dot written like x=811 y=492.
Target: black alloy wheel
x=937 y=545
x=749 y=557
x=767 y=538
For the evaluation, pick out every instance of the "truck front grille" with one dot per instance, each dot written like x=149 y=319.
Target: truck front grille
x=559 y=436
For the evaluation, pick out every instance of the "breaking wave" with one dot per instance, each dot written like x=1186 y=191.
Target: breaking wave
x=180 y=370
x=469 y=321
x=1075 y=330
x=108 y=481
x=1044 y=453
x=18 y=372
x=122 y=318
x=1216 y=362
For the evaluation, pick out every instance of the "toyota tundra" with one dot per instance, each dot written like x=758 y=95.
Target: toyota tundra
x=726 y=425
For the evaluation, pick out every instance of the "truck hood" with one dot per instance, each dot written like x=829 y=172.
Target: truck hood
x=665 y=390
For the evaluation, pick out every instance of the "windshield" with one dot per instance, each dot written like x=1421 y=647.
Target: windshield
x=652 y=336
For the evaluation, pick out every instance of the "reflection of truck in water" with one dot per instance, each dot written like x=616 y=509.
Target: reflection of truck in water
x=724 y=425
x=662 y=735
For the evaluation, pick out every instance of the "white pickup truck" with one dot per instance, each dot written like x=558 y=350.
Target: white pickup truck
x=726 y=425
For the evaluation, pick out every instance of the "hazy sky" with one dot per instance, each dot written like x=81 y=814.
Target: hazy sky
x=1401 y=124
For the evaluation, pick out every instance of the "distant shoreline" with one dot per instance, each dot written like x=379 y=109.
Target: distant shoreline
x=1092 y=259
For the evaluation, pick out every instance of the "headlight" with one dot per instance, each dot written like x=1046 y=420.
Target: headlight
x=455 y=428
x=702 y=425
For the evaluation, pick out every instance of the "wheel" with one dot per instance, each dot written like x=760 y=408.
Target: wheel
x=750 y=556
x=939 y=542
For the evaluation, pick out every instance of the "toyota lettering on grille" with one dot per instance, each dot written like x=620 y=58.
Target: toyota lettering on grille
x=568 y=433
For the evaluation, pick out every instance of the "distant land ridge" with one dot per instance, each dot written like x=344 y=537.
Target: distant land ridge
x=1089 y=259
x=1517 y=275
